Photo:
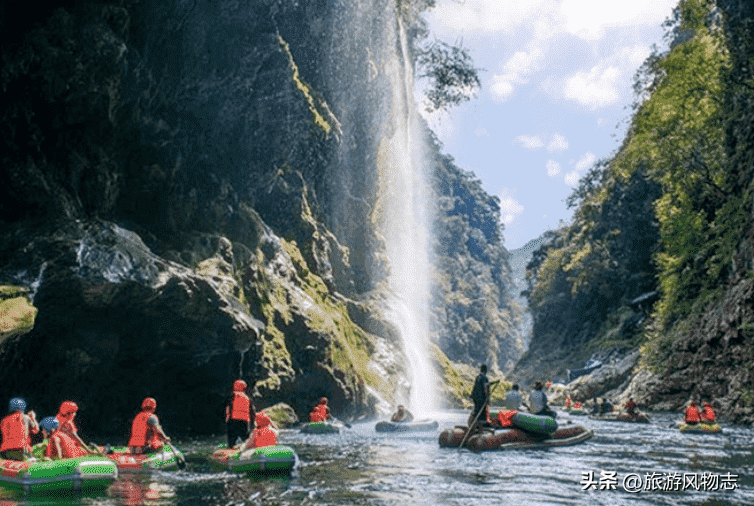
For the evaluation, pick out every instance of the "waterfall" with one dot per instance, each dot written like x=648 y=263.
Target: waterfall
x=404 y=202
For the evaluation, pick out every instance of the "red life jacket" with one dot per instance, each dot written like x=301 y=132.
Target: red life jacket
x=568 y=402
x=240 y=408
x=318 y=414
x=142 y=433
x=68 y=446
x=708 y=415
x=692 y=415
x=505 y=417
x=264 y=436
x=15 y=433
x=66 y=424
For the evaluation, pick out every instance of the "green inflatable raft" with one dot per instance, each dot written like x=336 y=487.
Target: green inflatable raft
x=320 y=428
x=267 y=459
x=700 y=428
x=537 y=424
x=86 y=473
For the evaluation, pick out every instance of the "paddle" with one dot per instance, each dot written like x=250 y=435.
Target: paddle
x=178 y=456
x=493 y=384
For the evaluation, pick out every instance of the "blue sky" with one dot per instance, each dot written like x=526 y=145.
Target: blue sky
x=555 y=97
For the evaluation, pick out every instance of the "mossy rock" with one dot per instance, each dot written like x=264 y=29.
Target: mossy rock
x=282 y=415
x=17 y=313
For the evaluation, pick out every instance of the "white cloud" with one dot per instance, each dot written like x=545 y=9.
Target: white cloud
x=529 y=141
x=557 y=143
x=588 y=19
x=489 y=16
x=509 y=207
x=586 y=161
x=596 y=88
x=502 y=87
x=572 y=178
x=481 y=132
x=553 y=168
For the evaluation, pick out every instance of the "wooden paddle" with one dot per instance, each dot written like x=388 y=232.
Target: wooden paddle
x=493 y=384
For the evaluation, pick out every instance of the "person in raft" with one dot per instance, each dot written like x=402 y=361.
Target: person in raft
x=239 y=415
x=402 y=415
x=708 y=414
x=631 y=408
x=692 y=416
x=17 y=428
x=65 y=416
x=147 y=435
x=538 y=402
x=265 y=433
x=513 y=399
x=479 y=395
x=48 y=425
x=321 y=412
x=60 y=444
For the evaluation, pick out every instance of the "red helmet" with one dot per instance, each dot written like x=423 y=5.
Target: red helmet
x=262 y=420
x=68 y=408
x=149 y=404
x=239 y=386
x=323 y=401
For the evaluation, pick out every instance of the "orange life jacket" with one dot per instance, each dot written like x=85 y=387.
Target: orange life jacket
x=66 y=424
x=708 y=415
x=15 y=432
x=68 y=446
x=142 y=433
x=692 y=415
x=264 y=436
x=504 y=417
x=240 y=408
x=568 y=402
x=576 y=405
x=318 y=414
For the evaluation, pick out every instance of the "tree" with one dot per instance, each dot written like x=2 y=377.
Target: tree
x=452 y=77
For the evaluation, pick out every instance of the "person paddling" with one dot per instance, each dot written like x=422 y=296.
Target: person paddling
x=480 y=395
x=239 y=415
x=147 y=435
x=16 y=429
x=60 y=444
x=65 y=417
x=48 y=425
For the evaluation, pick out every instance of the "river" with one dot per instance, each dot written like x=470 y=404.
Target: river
x=363 y=467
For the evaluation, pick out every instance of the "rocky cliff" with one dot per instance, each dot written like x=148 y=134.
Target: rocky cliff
x=654 y=275
x=187 y=197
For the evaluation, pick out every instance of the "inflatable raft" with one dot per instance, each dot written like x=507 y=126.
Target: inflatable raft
x=267 y=459
x=126 y=461
x=700 y=428
x=320 y=428
x=86 y=473
x=621 y=417
x=503 y=439
x=417 y=426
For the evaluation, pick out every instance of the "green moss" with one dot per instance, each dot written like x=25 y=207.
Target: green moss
x=459 y=380
x=319 y=119
x=17 y=313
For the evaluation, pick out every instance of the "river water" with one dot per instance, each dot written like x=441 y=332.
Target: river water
x=623 y=464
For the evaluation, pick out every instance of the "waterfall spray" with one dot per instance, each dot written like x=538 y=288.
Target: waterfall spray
x=404 y=204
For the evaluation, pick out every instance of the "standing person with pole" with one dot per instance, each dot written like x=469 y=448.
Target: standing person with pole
x=481 y=384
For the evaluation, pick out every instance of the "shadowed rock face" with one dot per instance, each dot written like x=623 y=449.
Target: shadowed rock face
x=185 y=203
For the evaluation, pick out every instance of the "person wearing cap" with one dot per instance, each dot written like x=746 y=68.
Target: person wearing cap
x=239 y=415
x=264 y=434
x=66 y=415
x=146 y=433
x=17 y=428
x=402 y=415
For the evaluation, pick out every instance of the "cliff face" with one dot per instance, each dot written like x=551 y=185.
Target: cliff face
x=186 y=198
x=655 y=274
